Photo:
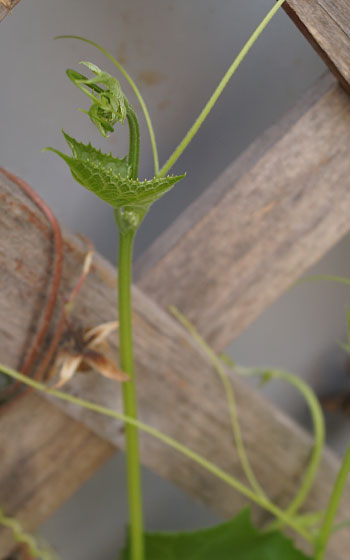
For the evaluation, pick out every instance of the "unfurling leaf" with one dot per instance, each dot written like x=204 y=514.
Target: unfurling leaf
x=109 y=104
x=107 y=177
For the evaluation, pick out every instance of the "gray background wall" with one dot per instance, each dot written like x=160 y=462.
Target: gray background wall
x=177 y=52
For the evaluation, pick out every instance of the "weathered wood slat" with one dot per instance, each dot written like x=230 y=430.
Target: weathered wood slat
x=174 y=375
x=188 y=406
x=51 y=455
x=326 y=24
x=49 y=459
x=190 y=403
x=266 y=219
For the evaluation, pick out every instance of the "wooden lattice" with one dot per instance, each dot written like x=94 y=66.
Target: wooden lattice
x=272 y=214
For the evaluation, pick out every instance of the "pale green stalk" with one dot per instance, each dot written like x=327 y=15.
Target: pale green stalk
x=213 y=99
x=129 y=396
x=333 y=505
x=230 y=400
x=208 y=465
x=126 y=240
x=134 y=88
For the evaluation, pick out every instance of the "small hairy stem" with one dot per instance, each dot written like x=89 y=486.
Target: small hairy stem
x=129 y=395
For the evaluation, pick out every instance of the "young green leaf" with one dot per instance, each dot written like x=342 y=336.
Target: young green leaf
x=107 y=176
x=88 y=153
x=235 y=540
x=109 y=104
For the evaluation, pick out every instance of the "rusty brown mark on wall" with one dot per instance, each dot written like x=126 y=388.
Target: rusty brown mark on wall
x=151 y=77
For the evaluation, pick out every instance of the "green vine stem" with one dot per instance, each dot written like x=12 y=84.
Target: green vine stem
x=129 y=394
x=127 y=230
x=329 y=517
x=204 y=463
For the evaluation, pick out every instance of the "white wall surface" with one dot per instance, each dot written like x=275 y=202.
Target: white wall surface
x=176 y=51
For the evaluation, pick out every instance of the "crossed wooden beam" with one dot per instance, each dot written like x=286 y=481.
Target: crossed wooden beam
x=273 y=213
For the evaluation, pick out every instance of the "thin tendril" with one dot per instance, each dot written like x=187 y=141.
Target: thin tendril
x=247 y=469
x=318 y=425
x=213 y=99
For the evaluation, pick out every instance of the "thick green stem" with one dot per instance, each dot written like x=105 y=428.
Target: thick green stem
x=129 y=396
x=134 y=142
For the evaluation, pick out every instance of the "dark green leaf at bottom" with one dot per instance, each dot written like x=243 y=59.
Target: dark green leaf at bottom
x=235 y=540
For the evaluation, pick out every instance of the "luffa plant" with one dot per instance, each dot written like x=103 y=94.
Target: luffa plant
x=115 y=180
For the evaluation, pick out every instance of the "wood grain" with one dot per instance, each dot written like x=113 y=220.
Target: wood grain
x=267 y=218
x=326 y=24
x=168 y=362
